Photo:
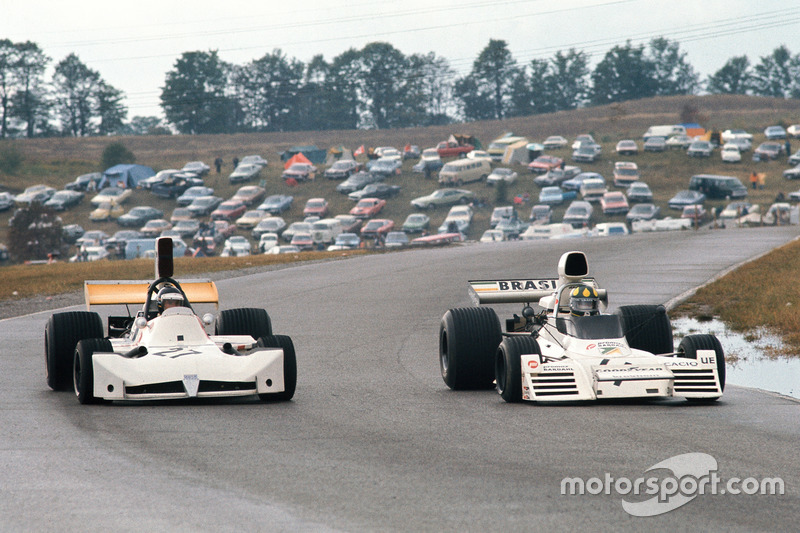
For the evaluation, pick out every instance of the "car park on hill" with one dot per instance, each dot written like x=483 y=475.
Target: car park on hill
x=191 y=193
x=386 y=167
x=503 y=174
x=204 y=205
x=625 y=173
x=269 y=224
x=639 y=191
x=300 y=172
x=249 y=194
x=229 y=210
x=368 y=207
x=63 y=200
x=375 y=190
x=139 y=215
x=276 y=203
x=614 y=203
x=544 y=163
x=678 y=141
x=441 y=197
x=578 y=214
x=730 y=153
x=358 y=181
x=111 y=194
x=197 y=167
x=316 y=207
x=700 y=149
x=645 y=211
x=586 y=153
x=574 y=183
x=245 y=172
x=686 y=197
x=767 y=151
x=775 y=132
x=555 y=195
x=627 y=147
x=377 y=227
x=557 y=176
x=416 y=223
x=554 y=142
x=342 y=169
x=655 y=144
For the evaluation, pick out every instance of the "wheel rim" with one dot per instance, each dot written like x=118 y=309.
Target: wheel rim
x=76 y=375
x=500 y=372
x=443 y=360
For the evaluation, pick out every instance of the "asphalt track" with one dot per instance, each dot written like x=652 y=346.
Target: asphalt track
x=374 y=441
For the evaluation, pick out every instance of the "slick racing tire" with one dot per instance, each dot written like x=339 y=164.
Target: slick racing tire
x=83 y=370
x=61 y=335
x=690 y=344
x=508 y=366
x=244 y=321
x=289 y=366
x=468 y=341
x=647 y=328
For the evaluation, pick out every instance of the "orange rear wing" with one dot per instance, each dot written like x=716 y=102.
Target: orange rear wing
x=198 y=291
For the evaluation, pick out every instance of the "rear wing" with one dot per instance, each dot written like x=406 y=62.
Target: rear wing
x=201 y=291
x=524 y=291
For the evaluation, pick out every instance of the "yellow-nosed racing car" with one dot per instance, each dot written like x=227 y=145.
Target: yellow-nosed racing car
x=568 y=349
x=164 y=351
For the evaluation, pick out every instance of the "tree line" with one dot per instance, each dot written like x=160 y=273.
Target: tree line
x=375 y=87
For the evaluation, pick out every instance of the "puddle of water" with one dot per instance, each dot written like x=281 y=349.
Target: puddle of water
x=746 y=362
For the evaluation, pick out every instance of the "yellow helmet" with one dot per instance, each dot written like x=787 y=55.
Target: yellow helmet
x=584 y=301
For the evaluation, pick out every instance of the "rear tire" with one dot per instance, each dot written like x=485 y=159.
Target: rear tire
x=83 y=370
x=61 y=335
x=647 y=328
x=468 y=341
x=508 y=366
x=244 y=321
x=289 y=366
x=690 y=344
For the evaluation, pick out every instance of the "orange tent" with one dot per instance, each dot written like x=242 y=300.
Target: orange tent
x=296 y=158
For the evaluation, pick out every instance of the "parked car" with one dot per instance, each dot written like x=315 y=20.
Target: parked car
x=111 y=194
x=582 y=139
x=614 y=203
x=506 y=175
x=375 y=190
x=377 y=227
x=300 y=172
x=574 y=183
x=153 y=228
x=388 y=152
x=554 y=142
x=793 y=130
x=679 y=141
x=35 y=194
x=358 y=181
x=461 y=216
x=557 y=176
x=545 y=163
x=743 y=145
x=191 y=193
x=176 y=185
x=284 y=249
x=767 y=150
x=730 y=153
x=479 y=154
x=511 y=227
x=186 y=228
x=197 y=167
x=625 y=173
x=443 y=197
x=253 y=160
x=775 y=132
x=499 y=213
x=492 y=235
x=269 y=225
x=586 y=153
x=245 y=172
x=368 y=207
x=90 y=253
x=92 y=238
x=204 y=205
x=396 y=239
x=229 y=210
x=416 y=223
x=250 y=194
x=686 y=197
x=735 y=210
x=645 y=211
x=350 y=224
x=411 y=151
x=429 y=162
x=342 y=169
x=236 y=246
x=627 y=147
x=250 y=219
x=63 y=200
x=700 y=149
x=463 y=171
x=792 y=173
x=295 y=227
x=302 y=240
x=385 y=166
x=6 y=201
x=578 y=214
x=120 y=238
x=794 y=159
x=453 y=149
x=555 y=195
x=639 y=191
x=697 y=213
x=140 y=215
x=106 y=211
x=345 y=241
x=718 y=187
x=72 y=232
x=316 y=207
x=731 y=134
x=592 y=190
x=85 y=182
x=541 y=214
x=276 y=203
x=655 y=144
x=266 y=241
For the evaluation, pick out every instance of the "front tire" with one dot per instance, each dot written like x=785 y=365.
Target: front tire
x=468 y=341
x=244 y=321
x=83 y=370
x=690 y=344
x=647 y=328
x=61 y=335
x=508 y=366
x=289 y=366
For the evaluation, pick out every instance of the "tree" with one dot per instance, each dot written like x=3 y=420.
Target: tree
x=8 y=59
x=673 y=74
x=625 y=73
x=146 y=126
x=110 y=109
x=568 y=79
x=388 y=92
x=268 y=91
x=734 y=77
x=777 y=75
x=35 y=232
x=116 y=154
x=486 y=91
x=75 y=86
x=432 y=79
x=194 y=99
x=341 y=92
x=32 y=103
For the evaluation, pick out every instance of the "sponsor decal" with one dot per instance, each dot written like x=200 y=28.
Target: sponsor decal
x=682 y=362
x=178 y=351
x=515 y=285
x=533 y=364
x=556 y=368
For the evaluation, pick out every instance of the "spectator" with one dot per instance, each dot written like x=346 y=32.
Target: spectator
x=753 y=179
x=762 y=178
x=788 y=147
x=218 y=164
x=235 y=162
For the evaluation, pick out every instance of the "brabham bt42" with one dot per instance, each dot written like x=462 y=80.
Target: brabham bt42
x=164 y=351
x=564 y=346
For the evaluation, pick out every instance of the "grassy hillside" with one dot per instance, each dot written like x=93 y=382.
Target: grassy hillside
x=58 y=161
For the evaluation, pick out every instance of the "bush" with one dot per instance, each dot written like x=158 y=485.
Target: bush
x=116 y=154
x=35 y=232
x=10 y=160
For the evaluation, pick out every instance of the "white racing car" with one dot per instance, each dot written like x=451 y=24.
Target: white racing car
x=165 y=352
x=567 y=349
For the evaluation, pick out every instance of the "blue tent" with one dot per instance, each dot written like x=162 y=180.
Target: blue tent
x=314 y=154
x=125 y=176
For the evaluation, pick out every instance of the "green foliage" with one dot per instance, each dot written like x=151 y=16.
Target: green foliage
x=35 y=232
x=10 y=159
x=115 y=154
